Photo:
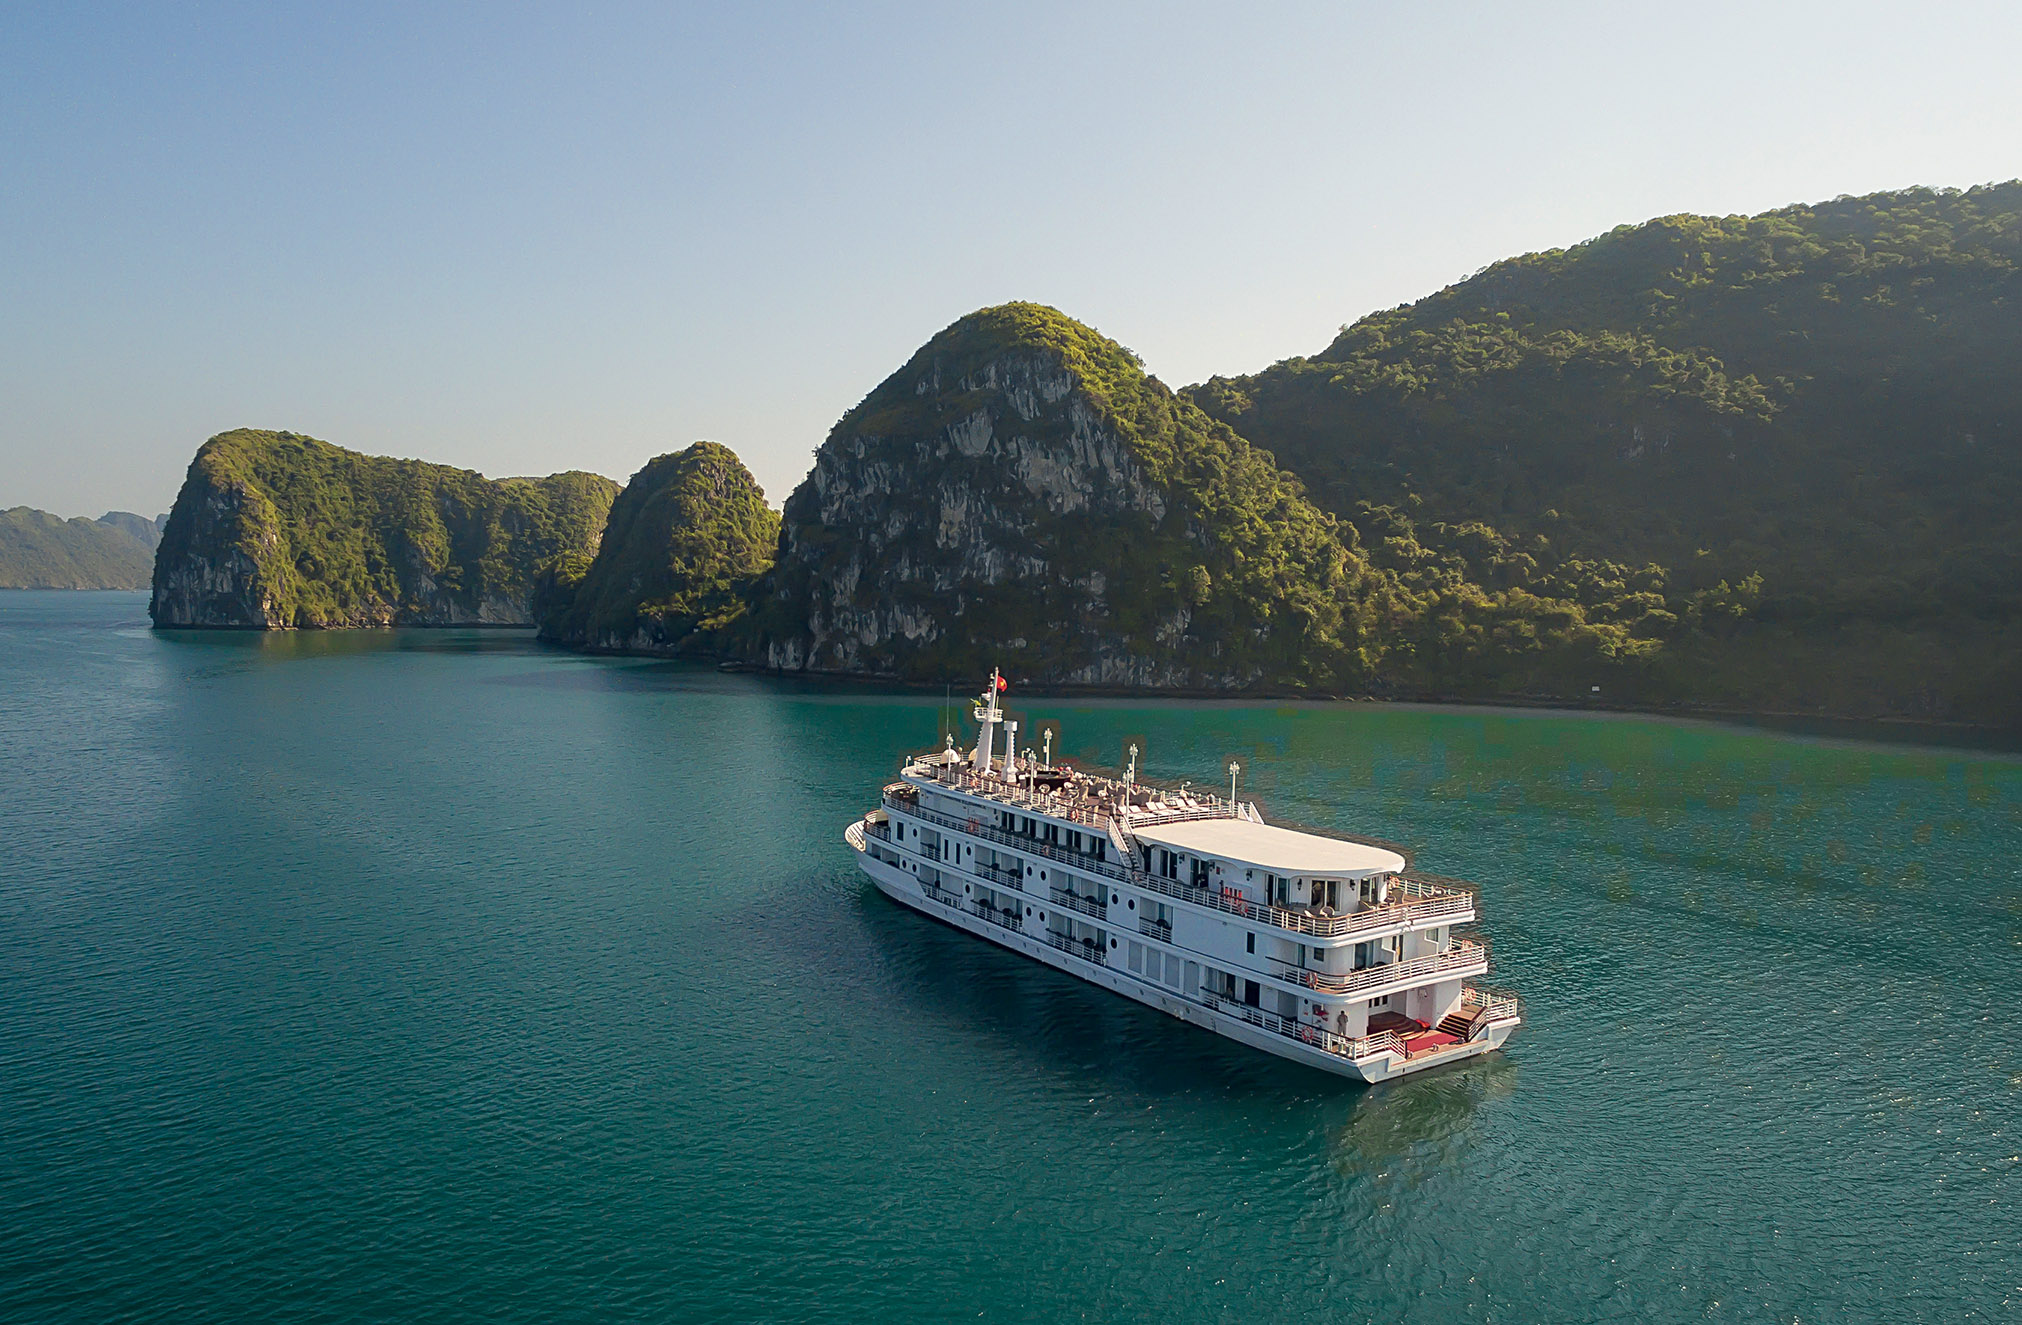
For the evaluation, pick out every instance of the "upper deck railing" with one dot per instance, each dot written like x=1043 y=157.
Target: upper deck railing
x=1089 y=801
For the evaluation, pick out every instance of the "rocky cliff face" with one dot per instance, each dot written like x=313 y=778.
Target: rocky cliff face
x=274 y=531
x=1022 y=494
x=685 y=542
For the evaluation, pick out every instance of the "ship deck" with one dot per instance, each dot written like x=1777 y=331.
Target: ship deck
x=1078 y=797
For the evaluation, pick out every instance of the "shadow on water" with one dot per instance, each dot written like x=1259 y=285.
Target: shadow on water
x=1064 y=1026
x=1077 y=1032
x=1399 y=1132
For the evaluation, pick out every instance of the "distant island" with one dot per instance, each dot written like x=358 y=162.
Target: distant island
x=276 y=531
x=1737 y=463
x=43 y=551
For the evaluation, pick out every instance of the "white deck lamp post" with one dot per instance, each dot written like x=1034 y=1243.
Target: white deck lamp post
x=1234 y=769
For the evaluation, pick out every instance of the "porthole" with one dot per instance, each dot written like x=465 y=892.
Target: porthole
x=965 y=887
x=1028 y=910
x=1042 y=915
x=1112 y=943
x=1133 y=904
x=1042 y=876
x=1114 y=898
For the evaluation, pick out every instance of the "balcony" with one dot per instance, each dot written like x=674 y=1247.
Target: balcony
x=998 y=875
x=1088 y=906
x=942 y=895
x=1463 y=958
x=1005 y=918
x=1086 y=949
x=1155 y=929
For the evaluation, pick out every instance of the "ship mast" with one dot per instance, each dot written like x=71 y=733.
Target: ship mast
x=988 y=715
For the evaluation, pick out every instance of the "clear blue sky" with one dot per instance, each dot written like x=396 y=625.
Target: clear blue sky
x=524 y=238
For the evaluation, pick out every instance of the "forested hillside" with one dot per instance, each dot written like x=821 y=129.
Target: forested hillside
x=1786 y=444
x=1755 y=463
x=43 y=551
x=683 y=545
x=1022 y=493
x=276 y=531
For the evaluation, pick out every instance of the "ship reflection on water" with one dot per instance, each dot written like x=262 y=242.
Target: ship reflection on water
x=1410 y=1128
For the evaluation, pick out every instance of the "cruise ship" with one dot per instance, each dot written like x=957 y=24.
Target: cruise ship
x=1314 y=948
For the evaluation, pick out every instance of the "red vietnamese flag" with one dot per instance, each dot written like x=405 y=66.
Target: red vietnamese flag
x=1002 y=684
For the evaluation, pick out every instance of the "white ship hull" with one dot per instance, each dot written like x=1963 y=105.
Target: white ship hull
x=903 y=887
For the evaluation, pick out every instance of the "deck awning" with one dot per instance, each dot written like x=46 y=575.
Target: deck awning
x=1268 y=847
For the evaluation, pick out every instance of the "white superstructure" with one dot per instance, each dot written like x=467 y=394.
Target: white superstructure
x=1309 y=947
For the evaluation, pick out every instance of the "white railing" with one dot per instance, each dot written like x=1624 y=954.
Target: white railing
x=1092 y=810
x=941 y=895
x=1491 y=1004
x=1422 y=903
x=1088 y=906
x=1002 y=878
x=1088 y=952
x=991 y=833
x=1353 y=1049
x=1462 y=957
x=1003 y=917
x=1090 y=813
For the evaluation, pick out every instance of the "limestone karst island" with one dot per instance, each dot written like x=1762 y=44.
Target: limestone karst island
x=1718 y=463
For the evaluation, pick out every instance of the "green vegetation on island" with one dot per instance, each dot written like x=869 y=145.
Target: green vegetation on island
x=1780 y=452
x=1021 y=493
x=1764 y=463
x=278 y=531
x=43 y=551
x=684 y=544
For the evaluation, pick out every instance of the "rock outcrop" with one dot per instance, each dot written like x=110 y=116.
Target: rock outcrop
x=685 y=542
x=1023 y=494
x=277 y=531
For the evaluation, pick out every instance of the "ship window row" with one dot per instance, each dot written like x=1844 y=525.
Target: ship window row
x=1093 y=845
x=1002 y=864
x=1278 y=889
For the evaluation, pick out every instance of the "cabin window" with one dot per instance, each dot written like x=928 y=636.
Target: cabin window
x=1252 y=942
x=1382 y=1002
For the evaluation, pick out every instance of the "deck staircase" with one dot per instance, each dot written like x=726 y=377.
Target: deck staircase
x=1126 y=846
x=1459 y=1024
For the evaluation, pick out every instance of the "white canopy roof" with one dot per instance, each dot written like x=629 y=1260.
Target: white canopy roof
x=1279 y=850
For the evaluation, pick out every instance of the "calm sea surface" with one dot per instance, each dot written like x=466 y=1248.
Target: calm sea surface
x=436 y=976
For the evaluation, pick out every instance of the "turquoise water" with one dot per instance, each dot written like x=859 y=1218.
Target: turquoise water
x=435 y=976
